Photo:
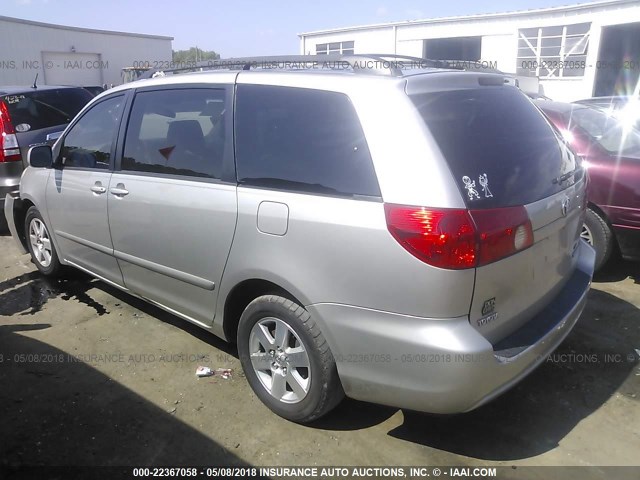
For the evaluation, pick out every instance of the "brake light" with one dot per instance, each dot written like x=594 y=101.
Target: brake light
x=443 y=238
x=9 y=150
x=458 y=239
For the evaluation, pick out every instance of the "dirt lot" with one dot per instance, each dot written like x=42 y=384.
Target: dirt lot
x=92 y=376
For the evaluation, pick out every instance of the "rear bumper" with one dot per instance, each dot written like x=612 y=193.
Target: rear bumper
x=444 y=365
x=9 y=203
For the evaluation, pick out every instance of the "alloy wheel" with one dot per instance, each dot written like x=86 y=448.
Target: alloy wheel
x=40 y=242
x=586 y=234
x=280 y=360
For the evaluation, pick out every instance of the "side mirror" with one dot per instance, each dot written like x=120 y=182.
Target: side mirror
x=40 y=156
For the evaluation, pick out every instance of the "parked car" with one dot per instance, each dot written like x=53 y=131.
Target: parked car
x=624 y=107
x=409 y=239
x=95 y=90
x=606 y=103
x=30 y=116
x=612 y=152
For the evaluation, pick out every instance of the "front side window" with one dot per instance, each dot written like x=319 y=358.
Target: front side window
x=177 y=132
x=88 y=143
x=301 y=140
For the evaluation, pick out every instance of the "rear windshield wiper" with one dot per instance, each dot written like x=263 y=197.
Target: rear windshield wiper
x=566 y=176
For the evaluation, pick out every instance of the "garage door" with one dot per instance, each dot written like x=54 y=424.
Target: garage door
x=69 y=68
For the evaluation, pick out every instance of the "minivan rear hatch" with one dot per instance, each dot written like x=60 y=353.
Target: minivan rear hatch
x=37 y=113
x=505 y=157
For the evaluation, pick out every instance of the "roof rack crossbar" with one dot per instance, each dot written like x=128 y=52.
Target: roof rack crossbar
x=372 y=64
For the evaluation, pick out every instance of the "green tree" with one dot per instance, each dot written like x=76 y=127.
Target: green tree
x=194 y=54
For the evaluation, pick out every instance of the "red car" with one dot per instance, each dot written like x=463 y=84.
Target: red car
x=611 y=152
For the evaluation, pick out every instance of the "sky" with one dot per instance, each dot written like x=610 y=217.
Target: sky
x=247 y=27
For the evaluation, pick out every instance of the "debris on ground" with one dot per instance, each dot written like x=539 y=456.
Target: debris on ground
x=225 y=373
x=204 y=372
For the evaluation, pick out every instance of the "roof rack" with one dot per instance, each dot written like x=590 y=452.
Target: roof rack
x=371 y=64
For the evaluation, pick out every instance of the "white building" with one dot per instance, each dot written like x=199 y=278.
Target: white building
x=576 y=51
x=62 y=55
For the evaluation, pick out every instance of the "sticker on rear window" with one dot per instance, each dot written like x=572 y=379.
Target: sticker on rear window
x=470 y=185
x=13 y=98
x=23 y=127
x=484 y=183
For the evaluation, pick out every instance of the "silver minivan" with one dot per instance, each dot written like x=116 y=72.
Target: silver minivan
x=405 y=237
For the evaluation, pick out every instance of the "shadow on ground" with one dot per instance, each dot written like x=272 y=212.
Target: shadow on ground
x=28 y=293
x=618 y=269
x=68 y=413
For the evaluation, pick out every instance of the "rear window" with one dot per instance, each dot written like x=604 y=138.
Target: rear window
x=500 y=148
x=301 y=140
x=35 y=110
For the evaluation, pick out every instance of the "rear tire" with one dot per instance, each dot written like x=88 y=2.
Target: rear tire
x=287 y=360
x=43 y=252
x=598 y=234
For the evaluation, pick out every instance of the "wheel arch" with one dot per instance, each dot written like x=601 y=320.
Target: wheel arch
x=20 y=209
x=244 y=293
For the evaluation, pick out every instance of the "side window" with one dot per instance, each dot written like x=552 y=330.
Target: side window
x=177 y=132
x=88 y=143
x=303 y=140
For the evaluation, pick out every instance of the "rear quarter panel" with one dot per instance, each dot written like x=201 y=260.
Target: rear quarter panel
x=339 y=251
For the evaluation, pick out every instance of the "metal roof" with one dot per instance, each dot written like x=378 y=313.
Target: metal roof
x=79 y=29
x=481 y=16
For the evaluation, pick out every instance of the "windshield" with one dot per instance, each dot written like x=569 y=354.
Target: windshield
x=608 y=131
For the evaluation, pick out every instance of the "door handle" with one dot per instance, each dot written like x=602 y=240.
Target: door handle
x=98 y=188
x=119 y=190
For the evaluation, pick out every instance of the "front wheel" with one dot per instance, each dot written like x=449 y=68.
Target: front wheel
x=43 y=252
x=596 y=232
x=287 y=360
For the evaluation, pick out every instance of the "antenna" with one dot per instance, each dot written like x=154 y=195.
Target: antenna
x=35 y=82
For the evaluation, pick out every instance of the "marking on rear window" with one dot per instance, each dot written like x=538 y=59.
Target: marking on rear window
x=13 y=98
x=470 y=185
x=484 y=183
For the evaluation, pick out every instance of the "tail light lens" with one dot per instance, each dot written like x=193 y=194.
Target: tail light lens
x=443 y=238
x=9 y=150
x=502 y=232
x=458 y=239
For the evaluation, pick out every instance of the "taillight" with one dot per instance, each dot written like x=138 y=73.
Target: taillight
x=443 y=238
x=502 y=232
x=9 y=150
x=457 y=239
